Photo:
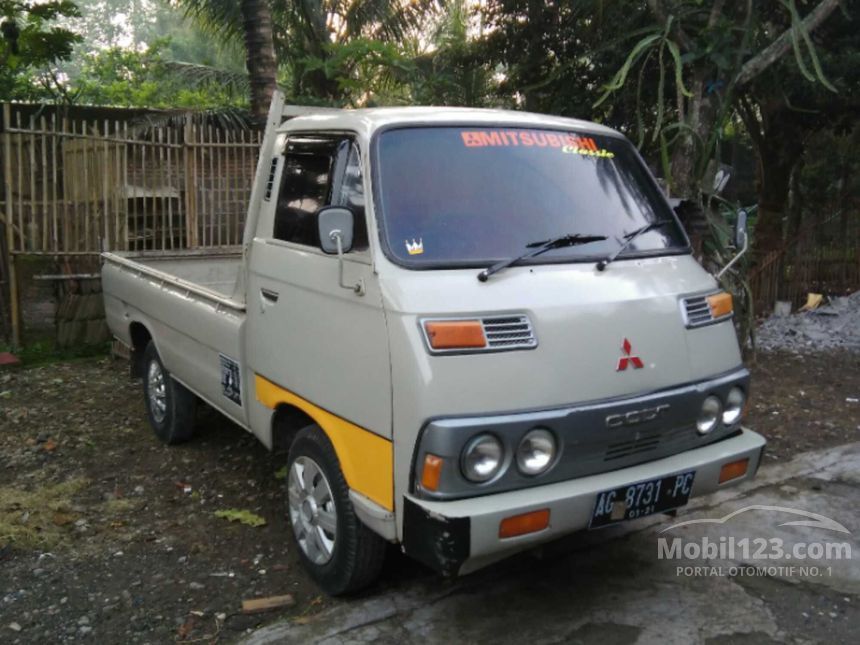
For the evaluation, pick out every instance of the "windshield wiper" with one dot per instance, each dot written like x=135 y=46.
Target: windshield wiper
x=536 y=248
x=629 y=239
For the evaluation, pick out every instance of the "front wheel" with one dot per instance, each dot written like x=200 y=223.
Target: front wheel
x=341 y=554
x=170 y=406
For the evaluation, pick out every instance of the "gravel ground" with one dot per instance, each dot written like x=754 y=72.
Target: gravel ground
x=107 y=536
x=835 y=325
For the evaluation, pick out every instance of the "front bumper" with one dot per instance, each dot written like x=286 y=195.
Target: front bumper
x=460 y=536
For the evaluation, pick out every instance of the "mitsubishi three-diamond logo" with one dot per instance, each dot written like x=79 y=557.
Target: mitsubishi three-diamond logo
x=628 y=358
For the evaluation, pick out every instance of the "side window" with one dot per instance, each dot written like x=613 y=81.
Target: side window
x=305 y=188
x=317 y=173
x=350 y=193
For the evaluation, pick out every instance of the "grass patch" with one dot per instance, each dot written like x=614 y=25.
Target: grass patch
x=43 y=352
x=38 y=519
x=121 y=505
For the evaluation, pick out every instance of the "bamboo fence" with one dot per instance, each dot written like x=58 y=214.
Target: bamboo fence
x=76 y=187
x=81 y=187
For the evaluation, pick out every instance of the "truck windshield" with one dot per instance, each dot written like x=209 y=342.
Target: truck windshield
x=469 y=197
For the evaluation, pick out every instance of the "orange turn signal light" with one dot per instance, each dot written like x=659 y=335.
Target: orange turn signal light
x=455 y=334
x=432 y=472
x=721 y=304
x=525 y=523
x=733 y=470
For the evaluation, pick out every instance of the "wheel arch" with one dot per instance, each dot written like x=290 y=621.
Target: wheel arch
x=366 y=459
x=140 y=337
x=287 y=420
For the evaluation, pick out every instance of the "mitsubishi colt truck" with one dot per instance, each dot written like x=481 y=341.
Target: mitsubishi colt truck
x=472 y=331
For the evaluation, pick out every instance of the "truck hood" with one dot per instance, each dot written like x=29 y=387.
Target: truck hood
x=584 y=321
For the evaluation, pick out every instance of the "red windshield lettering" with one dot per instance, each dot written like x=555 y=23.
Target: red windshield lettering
x=472 y=139
x=491 y=138
x=507 y=138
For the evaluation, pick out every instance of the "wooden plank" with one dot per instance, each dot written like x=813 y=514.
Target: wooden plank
x=144 y=227
x=106 y=243
x=14 y=313
x=243 y=182
x=159 y=188
x=55 y=232
x=20 y=173
x=217 y=185
x=116 y=192
x=169 y=152
x=43 y=218
x=258 y=605
x=131 y=213
x=190 y=185
x=210 y=185
x=85 y=153
x=65 y=212
x=230 y=180
x=32 y=231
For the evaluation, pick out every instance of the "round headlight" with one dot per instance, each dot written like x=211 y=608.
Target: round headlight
x=482 y=458
x=734 y=406
x=710 y=415
x=536 y=452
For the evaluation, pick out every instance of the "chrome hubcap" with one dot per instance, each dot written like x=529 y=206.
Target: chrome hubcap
x=312 y=510
x=157 y=393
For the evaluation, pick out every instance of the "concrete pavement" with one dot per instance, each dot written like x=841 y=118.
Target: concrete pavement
x=612 y=586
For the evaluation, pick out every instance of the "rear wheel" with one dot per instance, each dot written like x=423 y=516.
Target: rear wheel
x=335 y=547
x=170 y=406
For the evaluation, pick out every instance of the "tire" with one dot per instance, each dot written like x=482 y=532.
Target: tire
x=338 y=551
x=170 y=406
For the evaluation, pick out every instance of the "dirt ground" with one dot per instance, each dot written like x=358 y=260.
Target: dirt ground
x=107 y=535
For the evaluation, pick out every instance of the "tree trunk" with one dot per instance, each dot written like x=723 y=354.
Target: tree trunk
x=779 y=151
x=260 y=52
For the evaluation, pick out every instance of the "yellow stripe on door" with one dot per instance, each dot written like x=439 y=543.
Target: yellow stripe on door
x=366 y=459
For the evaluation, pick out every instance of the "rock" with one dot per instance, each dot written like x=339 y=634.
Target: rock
x=833 y=326
x=197 y=586
x=15 y=627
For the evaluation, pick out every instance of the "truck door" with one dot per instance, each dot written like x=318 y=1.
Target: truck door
x=306 y=334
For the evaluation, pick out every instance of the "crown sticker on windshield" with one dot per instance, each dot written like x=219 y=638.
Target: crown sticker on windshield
x=415 y=247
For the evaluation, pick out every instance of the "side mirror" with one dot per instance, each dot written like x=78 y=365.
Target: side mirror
x=336 y=225
x=741 y=230
x=741 y=241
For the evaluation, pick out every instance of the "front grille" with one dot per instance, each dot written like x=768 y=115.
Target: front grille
x=509 y=332
x=697 y=312
x=634 y=446
x=664 y=440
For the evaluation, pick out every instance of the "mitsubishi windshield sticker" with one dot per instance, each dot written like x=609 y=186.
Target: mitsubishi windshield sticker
x=568 y=143
x=415 y=247
x=231 y=384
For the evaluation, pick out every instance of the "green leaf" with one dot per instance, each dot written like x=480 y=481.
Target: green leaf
x=797 y=28
x=679 y=69
x=620 y=77
x=281 y=473
x=661 y=86
x=242 y=516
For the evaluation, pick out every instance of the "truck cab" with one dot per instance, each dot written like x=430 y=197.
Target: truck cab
x=474 y=331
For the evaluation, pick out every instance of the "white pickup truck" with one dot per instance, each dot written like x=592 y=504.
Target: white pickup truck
x=473 y=331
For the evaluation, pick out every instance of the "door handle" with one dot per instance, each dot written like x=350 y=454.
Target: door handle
x=268 y=295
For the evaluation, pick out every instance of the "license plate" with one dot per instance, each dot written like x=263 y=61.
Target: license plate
x=641 y=499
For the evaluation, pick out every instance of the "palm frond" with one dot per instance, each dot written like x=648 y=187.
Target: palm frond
x=219 y=17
